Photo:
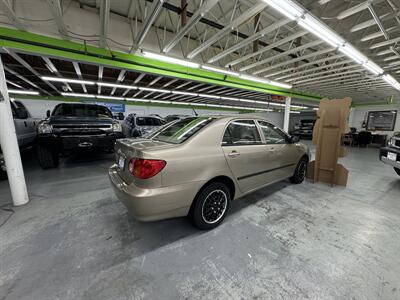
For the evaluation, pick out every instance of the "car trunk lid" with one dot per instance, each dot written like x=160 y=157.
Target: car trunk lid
x=126 y=149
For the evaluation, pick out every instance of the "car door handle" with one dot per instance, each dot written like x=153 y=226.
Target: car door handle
x=234 y=154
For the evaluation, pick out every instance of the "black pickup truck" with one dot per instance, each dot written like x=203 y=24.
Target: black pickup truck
x=391 y=153
x=75 y=126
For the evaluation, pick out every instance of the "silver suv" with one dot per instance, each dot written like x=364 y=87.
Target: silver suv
x=140 y=126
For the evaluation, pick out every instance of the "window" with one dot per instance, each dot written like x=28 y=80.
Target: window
x=82 y=110
x=180 y=131
x=243 y=132
x=14 y=112
x=272 y=134
x=147 y=121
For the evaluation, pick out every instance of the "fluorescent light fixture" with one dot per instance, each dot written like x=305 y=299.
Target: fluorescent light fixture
x=209 y=96
x=353 y=53
x=265 y=81
x=321 y=31
x=160 y=101
x=230 y=98
x=294 y=112
x=287 y=8
x=23 y=92
x=137 y=100
x=79 y=95
x=219 y=70
x=69 y=80
x=280 y=84
x=171 y=60
x=154 y=90
x=184 y=93
x=121 y=86
x=110 y=97
x=373 y=67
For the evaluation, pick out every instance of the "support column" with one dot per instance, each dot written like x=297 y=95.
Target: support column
x=287 y=114
x=9 y=146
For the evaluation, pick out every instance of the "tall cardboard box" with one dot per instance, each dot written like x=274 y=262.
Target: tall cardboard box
x=331 y=124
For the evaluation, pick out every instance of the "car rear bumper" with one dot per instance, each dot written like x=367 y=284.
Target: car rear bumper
x=157 y=203
x=383 y=156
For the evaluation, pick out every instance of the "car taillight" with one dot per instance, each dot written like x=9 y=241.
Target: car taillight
x=145 y=168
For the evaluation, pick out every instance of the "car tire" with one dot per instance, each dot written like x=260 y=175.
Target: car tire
x=47 y=158
x=397 y=170
x=300 y=172
x=210 y=206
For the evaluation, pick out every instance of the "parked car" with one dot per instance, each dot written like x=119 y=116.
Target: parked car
x=137 y=126
x=25 y=128
x=304 y=129
x=391 y=153
x=73 y=127
x=171 y=118
x=197 y=165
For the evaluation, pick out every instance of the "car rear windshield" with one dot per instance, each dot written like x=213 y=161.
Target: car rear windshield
x=82 y=110
x=180 y=131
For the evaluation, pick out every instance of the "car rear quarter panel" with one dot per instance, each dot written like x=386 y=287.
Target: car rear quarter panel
x=199 y=159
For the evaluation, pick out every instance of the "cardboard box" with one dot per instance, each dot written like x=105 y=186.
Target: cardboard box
x=331 y=124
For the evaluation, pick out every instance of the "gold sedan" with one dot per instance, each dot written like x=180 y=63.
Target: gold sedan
x=195 y=166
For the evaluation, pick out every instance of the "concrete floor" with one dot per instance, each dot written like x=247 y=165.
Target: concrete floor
x=75 y=240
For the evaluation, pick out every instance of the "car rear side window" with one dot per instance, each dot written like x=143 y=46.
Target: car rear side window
x=272 y=134
x=240 y=133
x=180 y=131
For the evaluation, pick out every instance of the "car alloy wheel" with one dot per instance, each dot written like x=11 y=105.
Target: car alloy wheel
x=214 y=206
x=302 y=170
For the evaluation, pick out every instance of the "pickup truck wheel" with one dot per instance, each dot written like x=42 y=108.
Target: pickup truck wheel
x=397 y=170
x=300 y=172
x=47 y=158
x=211 y=206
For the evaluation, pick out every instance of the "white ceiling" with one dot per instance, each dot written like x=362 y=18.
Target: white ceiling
x=226 y=36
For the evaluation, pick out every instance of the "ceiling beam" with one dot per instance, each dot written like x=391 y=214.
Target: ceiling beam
x=79 y=73
x=29 y=67
x=9 y=12
x=324 y=51
x=56 y=10
x=104 y=18
x=150 y=18
x=267 y=48
x=199 y=13
x=121 y=77
x=236 y=22
x=245 y=42
x=312 y=63
x=25 y=79
x=277 y=56
x=52 y=68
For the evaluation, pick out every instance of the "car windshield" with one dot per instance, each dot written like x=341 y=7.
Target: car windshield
x=82 y=110
x=180 y=131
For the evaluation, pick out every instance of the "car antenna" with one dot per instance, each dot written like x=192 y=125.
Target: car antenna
x=195 y=112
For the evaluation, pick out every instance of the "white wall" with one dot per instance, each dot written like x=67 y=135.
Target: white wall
x=359 y=114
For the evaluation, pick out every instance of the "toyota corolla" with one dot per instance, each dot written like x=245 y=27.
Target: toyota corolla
x=195 y=166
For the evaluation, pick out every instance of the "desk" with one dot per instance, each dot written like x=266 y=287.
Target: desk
x=379 y=139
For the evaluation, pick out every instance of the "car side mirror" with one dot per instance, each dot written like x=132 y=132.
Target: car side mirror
x=48 y=113
x=294 y=139
x=22 y=113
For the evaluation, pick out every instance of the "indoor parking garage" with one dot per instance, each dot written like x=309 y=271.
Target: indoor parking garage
x=199 y=149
